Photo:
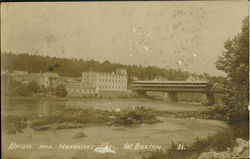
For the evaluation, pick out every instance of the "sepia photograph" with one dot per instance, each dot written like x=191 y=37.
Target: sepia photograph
x=125 y=80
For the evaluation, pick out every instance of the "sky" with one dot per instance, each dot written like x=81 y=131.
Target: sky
x=181 y=35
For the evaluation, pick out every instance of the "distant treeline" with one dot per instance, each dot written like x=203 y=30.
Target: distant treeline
x=74 y=67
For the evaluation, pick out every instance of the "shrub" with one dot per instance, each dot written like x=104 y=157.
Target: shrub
x=72 y=115
x=135 y=116
x=61 y=91
x=217 y=112
x=14 y=124
x=218 y=142
x=23 y=90
x=33 y=86
x=239 y=121
x=94 y=116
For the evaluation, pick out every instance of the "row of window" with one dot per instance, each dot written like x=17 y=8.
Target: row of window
x=104 y=76
x=118 y=81
x=103 y=80
x=81 y=90
x=112 y=76
x=89 y=79
x=112 y=87
x=74 y=84
x=89 y=85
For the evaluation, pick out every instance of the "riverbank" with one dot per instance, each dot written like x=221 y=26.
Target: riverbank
x=232 y=142
x=62 y=117
x=224 y=144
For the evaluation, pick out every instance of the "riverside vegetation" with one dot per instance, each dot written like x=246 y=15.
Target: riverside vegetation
x=65 y=118
x=62 y=117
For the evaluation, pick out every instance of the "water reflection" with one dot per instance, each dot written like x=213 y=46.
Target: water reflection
x=43 y=109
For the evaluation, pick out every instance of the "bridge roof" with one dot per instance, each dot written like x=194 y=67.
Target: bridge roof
x=186 y=82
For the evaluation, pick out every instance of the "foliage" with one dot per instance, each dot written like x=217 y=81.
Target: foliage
x=239 y=121
x=216 y=112
x=74 y=67
x=62 y=115
x=8 y=85
x=23 y=90
x=72 y=115
x=235 y=63
x=218 y=142
x=61 y=91
x=14 y=124
x=11 y=87
x=135 y=116
x=33 y=86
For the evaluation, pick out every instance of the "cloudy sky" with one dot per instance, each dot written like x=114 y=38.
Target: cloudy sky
x=185 y=35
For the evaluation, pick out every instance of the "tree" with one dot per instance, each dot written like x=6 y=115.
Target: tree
x=61 y=91
x=74 y=67
x=23 y=90
x=10 y=87
x=235 y=63
x=33 y=86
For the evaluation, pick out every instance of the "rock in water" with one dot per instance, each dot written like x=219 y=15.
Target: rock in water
x=79 y=135
x=242 y=146
x=206 y=155
x=212 y=155
x=240 y=150
x=241 y=142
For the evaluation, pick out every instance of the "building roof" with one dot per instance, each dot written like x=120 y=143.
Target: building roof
x=163 y=82
x=19 y=73
x=107 y=73
x=69 y=79
x=34 y=76
x=51 y=74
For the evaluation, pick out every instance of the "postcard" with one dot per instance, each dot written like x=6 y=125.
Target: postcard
x=125 y=80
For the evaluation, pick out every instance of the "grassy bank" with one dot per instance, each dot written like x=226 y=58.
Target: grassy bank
x=216 y=112
x=218 y=142
x=136 y=115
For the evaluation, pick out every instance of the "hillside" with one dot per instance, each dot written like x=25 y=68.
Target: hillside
x=74 y=67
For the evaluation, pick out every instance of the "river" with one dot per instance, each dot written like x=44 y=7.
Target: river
x=159 y=134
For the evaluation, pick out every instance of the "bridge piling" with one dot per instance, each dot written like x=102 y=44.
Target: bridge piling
x=173 y=96
x=141 y=93
x=207 y=98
